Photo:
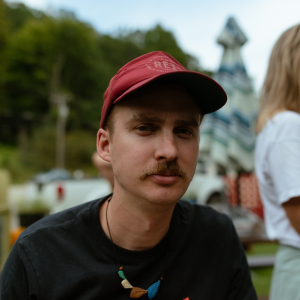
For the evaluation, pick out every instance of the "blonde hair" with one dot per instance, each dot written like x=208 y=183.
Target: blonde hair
x=281 y=89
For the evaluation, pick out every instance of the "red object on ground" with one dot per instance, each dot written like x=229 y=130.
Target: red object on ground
x=60 y=192
x=249 y=192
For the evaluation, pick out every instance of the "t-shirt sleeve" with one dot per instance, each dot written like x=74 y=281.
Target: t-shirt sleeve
x=18 y=280
x=284 y=165
x=241 y=286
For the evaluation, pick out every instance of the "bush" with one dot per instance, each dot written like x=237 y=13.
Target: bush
x=39 y=154
x=80 y=146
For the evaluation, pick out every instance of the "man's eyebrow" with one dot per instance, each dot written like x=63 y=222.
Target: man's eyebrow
x=189 y=122
x=142 y=117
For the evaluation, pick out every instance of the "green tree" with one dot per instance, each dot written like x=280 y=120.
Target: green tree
x=158 y=38
x=127 y=45
x=3 y=36
x=48 y=54
x=40 y=155
x=19 y=14
x=35 y=51
x=3 y=26
x=116 y=52
x=3 y=42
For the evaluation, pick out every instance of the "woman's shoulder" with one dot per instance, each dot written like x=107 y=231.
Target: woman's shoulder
x=286 y=118
x=285 y=124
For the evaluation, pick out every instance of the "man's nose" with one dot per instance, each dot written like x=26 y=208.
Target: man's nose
x=166 y=148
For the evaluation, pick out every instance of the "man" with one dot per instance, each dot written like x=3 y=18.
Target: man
x=104 y=168
x=141 y=241
x=107 y=185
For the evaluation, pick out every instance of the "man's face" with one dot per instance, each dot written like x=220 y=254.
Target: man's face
x=155 y=144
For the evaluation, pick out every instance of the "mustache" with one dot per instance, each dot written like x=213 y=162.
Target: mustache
x=163 y=168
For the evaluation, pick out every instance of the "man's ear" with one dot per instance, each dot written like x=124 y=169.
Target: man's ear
x=103 y=144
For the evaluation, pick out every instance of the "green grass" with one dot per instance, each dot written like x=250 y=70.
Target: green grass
x=261 y=277
x=262 y=249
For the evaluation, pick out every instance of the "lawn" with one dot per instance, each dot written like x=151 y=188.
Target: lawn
x=261 y=277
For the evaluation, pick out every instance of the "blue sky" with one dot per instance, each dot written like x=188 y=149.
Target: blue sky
x=196 y=24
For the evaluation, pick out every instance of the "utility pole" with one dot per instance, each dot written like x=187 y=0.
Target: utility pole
x=60 y=99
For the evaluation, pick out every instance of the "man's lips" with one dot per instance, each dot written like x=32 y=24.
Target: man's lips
x=165 y=178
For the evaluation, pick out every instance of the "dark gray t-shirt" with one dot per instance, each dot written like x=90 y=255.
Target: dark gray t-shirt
x=68 y=256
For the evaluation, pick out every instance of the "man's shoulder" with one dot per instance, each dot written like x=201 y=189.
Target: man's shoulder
x=200 y=225
x=201 y=215
x=60 y=220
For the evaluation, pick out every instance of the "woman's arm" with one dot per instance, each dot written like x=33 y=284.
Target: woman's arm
x=292 y=210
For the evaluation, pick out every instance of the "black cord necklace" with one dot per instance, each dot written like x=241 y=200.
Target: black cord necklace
x=135 y=291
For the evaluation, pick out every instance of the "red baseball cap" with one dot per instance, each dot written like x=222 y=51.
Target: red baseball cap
x=162 y=67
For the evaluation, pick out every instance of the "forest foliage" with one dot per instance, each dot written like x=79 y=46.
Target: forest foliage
x=41 y=51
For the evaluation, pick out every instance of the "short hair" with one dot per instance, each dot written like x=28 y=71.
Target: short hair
x=109 y=124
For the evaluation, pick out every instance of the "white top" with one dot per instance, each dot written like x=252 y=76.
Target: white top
x=277 y=164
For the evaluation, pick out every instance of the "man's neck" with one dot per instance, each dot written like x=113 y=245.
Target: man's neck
x=135 y=227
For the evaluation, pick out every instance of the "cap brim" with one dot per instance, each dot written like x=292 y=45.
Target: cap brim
x=209 y=95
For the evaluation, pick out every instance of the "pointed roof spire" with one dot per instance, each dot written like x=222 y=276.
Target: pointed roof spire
x=232 y=35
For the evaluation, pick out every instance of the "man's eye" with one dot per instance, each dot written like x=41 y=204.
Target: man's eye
x=184 y=131
x=143 y=128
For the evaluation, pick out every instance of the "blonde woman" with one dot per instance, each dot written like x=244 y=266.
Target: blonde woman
x=277 y=161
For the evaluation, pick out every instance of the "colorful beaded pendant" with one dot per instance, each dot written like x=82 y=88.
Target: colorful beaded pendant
x=137 y=292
